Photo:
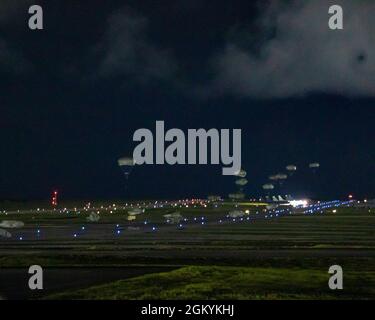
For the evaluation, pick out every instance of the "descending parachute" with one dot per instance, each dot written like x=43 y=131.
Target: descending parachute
x=174 y=217
x=214 y=198
x=135 y=211
x=236 y=196
x=126 y=164
x=4 y=234
x=11 y=224
x=93 y=217
x=236 y=214
x=282 y=176
x=291 y=168
x=268 y=186
x=241 y=182
x=314 y=165
x=279 y=176
x=242 y=173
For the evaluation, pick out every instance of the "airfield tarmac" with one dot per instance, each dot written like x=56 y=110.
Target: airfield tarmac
x=94 y=253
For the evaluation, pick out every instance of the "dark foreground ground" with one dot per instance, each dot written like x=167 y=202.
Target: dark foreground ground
x=283 y=257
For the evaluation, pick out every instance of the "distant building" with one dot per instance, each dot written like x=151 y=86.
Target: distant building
x=370 y=204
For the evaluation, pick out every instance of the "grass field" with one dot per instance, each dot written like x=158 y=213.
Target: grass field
x=231 y=283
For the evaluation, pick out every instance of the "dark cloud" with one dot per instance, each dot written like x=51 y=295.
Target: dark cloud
x=11 y=8
x=126 y=50
x=13 y=13
x=11 y=61
x=296 y=53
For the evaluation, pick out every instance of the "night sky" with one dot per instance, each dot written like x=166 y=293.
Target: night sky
x=73 y=94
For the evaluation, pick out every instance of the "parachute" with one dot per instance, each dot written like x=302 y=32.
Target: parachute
x=282 y=176
x=126 y=164
x=236 y=214
x=5 y=234
x=241 y=182
x=314 y=165
x=236 y=196
x=11 y=224
x=242 y=173
x=274 y=177
x=174 y=217
x=93 y=217
x=279 y=176
x=135 y=211
x=214 y=198
x=291 y=168
x=268 y=186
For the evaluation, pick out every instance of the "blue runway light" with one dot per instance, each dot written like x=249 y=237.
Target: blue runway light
x=75 y=235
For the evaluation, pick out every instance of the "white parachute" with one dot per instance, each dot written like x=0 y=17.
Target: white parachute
x=291 y=168
x=126 y=164
x=279 y=176
x=135 y=211
x=314 y=165
x=236 y=214
x=268 y=186
x=242 y=173
x=174 y=217
x=282 y=176
x=214 y=198
x=10 y=224
x=5 y=234
x=236 y=196
x=93 y=217
x=241 y=182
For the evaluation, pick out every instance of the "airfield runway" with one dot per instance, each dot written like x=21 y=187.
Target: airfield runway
x=78 y=254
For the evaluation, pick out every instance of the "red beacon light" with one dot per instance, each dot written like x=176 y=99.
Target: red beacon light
x=54 y=198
